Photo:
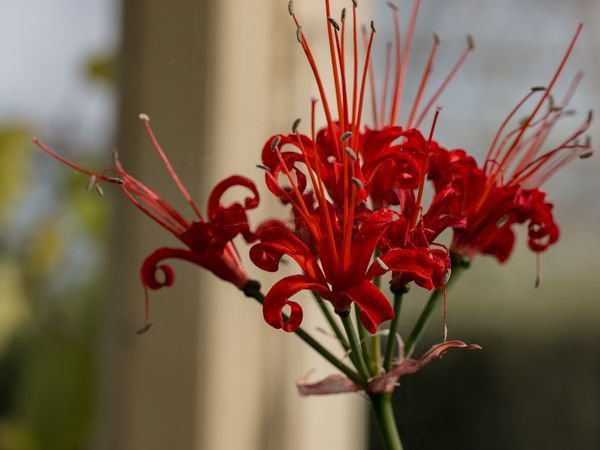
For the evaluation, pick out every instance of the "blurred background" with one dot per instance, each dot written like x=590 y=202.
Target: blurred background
x=218 y=78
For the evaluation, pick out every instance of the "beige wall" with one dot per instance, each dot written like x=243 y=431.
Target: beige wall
x=217 y=78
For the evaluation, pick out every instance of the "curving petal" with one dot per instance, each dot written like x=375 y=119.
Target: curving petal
x=416 y=265
x=278 y=241
x=279 y=297
x=375 y=307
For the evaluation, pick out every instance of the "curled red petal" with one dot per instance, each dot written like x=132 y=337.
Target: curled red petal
x=214 y=205
x=416 y=265
x=278 y=241
x=279 y=297
x=375 y=307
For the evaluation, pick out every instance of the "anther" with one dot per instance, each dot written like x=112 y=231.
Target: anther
x=590 y=117
x=569 y=112
x=144 y=329
x=355 y=3
x=275 y=143
x=383 y=265
x=502 y=221
x=373 y=26
x=359 y=184
x=556 y=109
x=99 y=190
x=295 y=125
x=393 y=6
x=345 y=136
x=447 y=275
x=92 y=182
x=263 y=167
x=470 y=42
x=343 y=14
x=436 y=39
x=115 y=180
x=331 y=159
x=144 y=117
x=291 y=7
x=351 y=153
x=588 y=141
x=586 y=155
x=333 y=23
x=299 y=34
x=538 y=88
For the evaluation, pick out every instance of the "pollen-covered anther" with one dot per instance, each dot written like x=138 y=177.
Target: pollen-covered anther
x=115 y=180
x=345 y=136
x=359 y=184
x=295 y=125
x=502 y=221
x=263 y=167
x=343 y=16
x=393 y=6
x=99 y=190
x=92 y=182
x=470 y=42
x=373 y=26
x=351 y=153
x=333 y=23
x=299 y=34
x=447 y=275
x=590 y=117
x=144 y=329
x=587 y=154
x=538 y=88
x=355 y=3
x=275 y=143
x=291 y=7
x=381 y=264
x=436 y=39
x=144 y=117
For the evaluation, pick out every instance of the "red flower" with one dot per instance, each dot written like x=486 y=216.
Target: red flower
x=208 y=241
x=506 y=190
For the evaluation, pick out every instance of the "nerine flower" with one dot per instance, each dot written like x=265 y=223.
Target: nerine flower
x=208 y=241
x=506 y=189
x=335 y=232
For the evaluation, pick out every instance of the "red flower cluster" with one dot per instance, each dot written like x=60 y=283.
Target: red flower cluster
x=357 y=194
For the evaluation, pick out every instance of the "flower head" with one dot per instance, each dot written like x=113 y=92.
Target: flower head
x=208 y=241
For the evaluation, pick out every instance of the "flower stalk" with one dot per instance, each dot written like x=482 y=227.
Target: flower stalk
x=386 y=421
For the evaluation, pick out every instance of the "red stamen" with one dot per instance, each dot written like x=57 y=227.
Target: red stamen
x=386 y=78
x=167 y=163
x=424 y=79
x=447 y=80
x=397 y=44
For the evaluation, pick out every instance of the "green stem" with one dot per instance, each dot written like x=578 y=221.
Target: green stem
x=391 y=340
x=375 y=355
x=332 y=322
x=458 y=266
x=382 y=405
x=252 y=289
x=356 y=354
x=363 y=335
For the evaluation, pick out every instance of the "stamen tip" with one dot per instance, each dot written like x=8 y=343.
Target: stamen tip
x=333 y=23
x=351 y=153
x=343 y=17
x=359 y=184
x=299 y=34
x=355 y=3
x=144 y=329
x=538 y=88
x=291 y=7
x=275 y=143
x=436 y=39
x=263 y=167
x=470 y=42
x=586 y=155
x=392 y=6
x=295 y=125
x=345 y=136
x=383 y=265
x=373 y=26
x=144 y=117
